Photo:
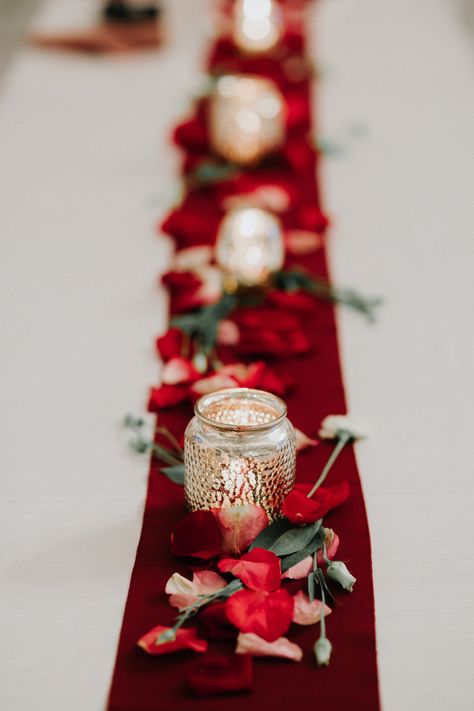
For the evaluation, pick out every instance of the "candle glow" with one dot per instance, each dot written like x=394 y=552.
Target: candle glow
x=249 y=247
x=246 y=118
x=257 y=25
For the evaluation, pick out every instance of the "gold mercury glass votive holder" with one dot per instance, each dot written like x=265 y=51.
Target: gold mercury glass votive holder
x=249 y=247
x=239 y=449
x=246 y=116
x=257 y=25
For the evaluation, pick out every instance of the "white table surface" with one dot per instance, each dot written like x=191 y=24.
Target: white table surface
x=86 y=169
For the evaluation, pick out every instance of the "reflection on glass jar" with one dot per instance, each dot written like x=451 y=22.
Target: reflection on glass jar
x=249 y=247
x=239 y=449
x=246 y=118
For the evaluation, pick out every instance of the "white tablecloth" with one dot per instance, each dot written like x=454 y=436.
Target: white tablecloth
x=86 y=169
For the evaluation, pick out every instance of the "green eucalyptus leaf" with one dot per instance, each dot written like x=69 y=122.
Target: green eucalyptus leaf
x=311 y=587
x=203 y=324
x=295 y=539
x=271 y=533
x=175 y=473
x=315 y=544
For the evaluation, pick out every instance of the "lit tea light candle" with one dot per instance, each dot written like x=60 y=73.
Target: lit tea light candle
x=257 y=25
x=249 y=247
x=246 y=118
x=239 y=449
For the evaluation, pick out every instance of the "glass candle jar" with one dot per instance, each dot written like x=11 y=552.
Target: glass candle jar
x=249 y=247
x=239 y=449
x=257 y=25
x=246 y=118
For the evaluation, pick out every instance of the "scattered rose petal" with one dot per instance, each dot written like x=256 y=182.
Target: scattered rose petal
x=198 y=535
x=179 y=585
x=167 y=396
x=249 y=643
x=210 y=289
x=214 y=622
x=227 y=333
x=301 y=242
x=178 y=370
x=217 y=675
x=258 y=569
x=300 y=509
x=240 y=525
x=267 y=614
x=184 y=639
x=306 y=612
x=303 y=441
x=331 y=540
x=192 y=258
x=185 y=592
x=170 y=344
x=211 y=384
x=299 y=571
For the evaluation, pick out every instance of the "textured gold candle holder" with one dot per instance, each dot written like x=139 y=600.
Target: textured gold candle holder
x=246 y=118
x=257 y=25
x=249 y=247
x=239 y=449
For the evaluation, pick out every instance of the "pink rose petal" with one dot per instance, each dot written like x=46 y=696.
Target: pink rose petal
x=192 y=258
x=178 y=370
x=303 y=441
x=301 y=570
x=212 y=383
x=301 y=242
x=249 y=643
x=184 y=592
x=210 y=289
x=228 y=333
x=332 y=544
x=240 y=526
x=207 y=582
x=306 y=612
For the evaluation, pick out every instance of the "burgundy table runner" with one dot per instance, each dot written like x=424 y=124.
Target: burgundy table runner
x=144 y=683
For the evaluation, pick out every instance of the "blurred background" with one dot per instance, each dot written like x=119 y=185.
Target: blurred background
x=86 y=172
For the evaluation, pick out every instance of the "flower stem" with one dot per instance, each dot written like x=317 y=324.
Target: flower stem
x=164 y=431
x=343 y=438
x=203 y=600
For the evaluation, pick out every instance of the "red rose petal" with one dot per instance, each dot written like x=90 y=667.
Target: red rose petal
x=198 y=535
x=299 y=509
x=185 y=639
x=167 y=396
x=216 y=675
x=215 y=624
x=266 y=614
x=170 y=344
x=258 y=569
